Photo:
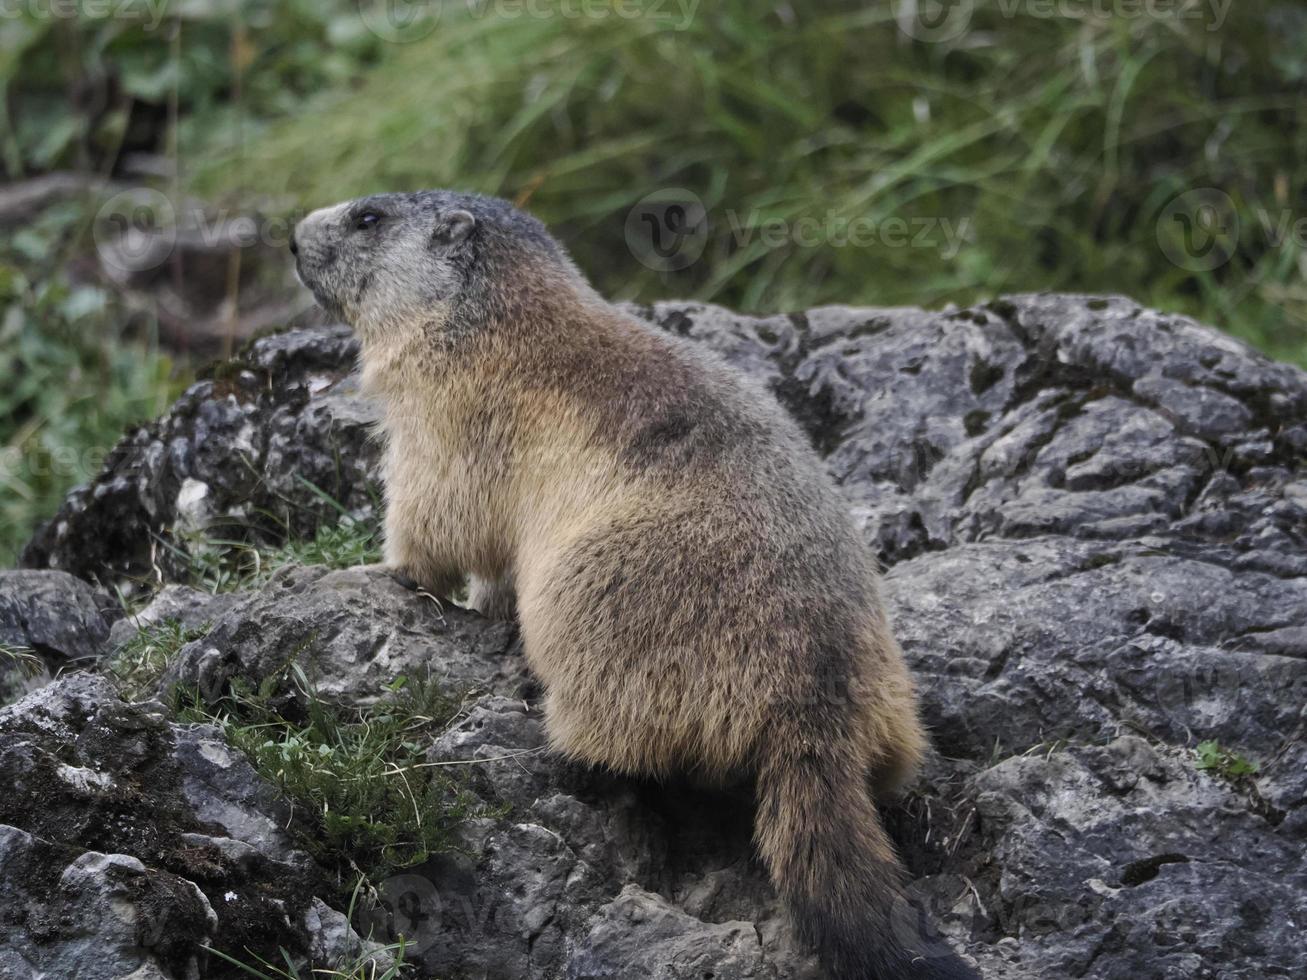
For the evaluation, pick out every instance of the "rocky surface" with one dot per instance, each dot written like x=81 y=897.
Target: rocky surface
x=130 y=842
x=48 y=620
x=1094 y=519
x=247 y=453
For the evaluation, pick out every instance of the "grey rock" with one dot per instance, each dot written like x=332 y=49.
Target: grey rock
x=1103 y=852
x=243 y=455
x=1023 y=643
x=103 y=917
x=129 y=842
x=192 y=608
x=1094 y=519
x=352 y=632
x=48 y=620
x=59 y=617
x=332 y=939
x=666 y=943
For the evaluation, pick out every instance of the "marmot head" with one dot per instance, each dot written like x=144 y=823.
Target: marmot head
x=442 y=259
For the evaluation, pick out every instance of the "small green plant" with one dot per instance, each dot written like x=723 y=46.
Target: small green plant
x=224 y=565
x=140 y=662
x=1213 y=757
x=23 y=658
x=219 y=564
x=18 y=665
x=345 y=544
x=361 y=772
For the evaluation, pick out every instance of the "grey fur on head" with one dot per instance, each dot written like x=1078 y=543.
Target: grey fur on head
x=390 y=260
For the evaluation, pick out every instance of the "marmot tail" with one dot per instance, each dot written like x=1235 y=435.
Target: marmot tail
x=820 y=835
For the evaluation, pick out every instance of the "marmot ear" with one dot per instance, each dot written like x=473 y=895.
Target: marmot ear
x=452 y=227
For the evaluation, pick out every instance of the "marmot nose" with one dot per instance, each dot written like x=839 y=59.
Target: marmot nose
x=294 y=249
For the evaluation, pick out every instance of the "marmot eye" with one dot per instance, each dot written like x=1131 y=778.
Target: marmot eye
x=367 y=220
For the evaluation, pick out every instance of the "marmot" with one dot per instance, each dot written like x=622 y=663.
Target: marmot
x=691 y=592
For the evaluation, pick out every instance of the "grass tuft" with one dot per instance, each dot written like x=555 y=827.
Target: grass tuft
x=345 y=544
x=218 y=564
x=18 y=665
x=225 y=565
x=367 y=966
x=24 y=659
x=360 y=772
x=136 y=667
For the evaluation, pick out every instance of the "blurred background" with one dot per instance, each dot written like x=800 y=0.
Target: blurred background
x=156 y=153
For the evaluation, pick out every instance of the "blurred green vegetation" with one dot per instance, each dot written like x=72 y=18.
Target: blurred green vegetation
x=1049 y=137
x=1057 y=141
x=74 y=373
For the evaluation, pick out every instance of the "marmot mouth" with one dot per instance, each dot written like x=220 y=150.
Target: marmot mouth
x=320 y=296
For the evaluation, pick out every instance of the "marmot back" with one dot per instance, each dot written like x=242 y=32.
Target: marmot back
x=691 y=592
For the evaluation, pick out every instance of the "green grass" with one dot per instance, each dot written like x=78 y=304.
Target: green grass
x=1058 y=141
x=221 y=564
x=361 y=774
x=225 y=565
x=364 y=967
x=18 y=664
x=24 y=659
x=346 y=544
x=137 y=666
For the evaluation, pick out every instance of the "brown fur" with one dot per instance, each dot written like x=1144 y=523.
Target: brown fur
x=691 y=592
